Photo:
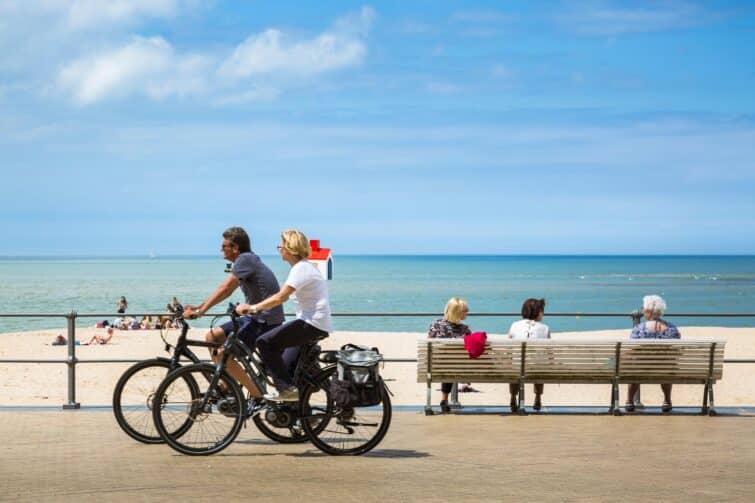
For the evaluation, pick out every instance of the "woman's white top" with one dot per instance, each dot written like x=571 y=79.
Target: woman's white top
x=529 y=329
x=311 y=296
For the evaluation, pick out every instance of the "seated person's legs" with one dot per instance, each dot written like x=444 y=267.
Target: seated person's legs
x=247 y=333
x=538 y=392
x=631 y=391
x=666 y=397
x=514 y=391
x=445 y=389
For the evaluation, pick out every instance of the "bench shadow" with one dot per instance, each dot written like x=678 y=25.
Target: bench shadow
x=599 y=411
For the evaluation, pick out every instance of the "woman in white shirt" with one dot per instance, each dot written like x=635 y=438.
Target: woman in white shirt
x=529 y=327
x=277 y=346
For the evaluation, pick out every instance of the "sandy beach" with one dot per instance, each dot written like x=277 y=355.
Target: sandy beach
x=45 y=384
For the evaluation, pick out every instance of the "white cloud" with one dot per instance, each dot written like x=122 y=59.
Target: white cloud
x=607 y=19
x=90 y=13
x=253 y=95
x=147 y=66
x=414 y=27
x=271 y=52
x=258 y=69
x=480 y=16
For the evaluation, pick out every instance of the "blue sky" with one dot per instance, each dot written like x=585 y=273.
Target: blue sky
x=394 y=127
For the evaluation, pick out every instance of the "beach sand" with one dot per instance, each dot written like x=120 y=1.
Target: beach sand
x=37 y=384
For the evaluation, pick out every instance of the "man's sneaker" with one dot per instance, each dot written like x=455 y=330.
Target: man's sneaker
x=254 y=407
x=285 y=395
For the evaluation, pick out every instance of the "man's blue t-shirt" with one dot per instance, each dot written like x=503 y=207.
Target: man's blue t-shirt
x=258 y=282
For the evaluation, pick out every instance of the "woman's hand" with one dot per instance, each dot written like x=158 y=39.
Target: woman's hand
x=242 y=309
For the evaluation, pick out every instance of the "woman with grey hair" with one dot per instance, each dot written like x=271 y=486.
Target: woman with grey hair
x=654 y=327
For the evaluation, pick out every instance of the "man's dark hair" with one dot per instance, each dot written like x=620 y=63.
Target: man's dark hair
x=239 y=237
x=532 y=308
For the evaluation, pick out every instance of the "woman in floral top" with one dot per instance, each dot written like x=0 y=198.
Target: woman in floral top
x=450 y=327
x=654 y=327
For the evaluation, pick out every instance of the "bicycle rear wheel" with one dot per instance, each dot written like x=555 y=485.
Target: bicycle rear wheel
x=212 y=427
x=133 y=400
x=340 y=431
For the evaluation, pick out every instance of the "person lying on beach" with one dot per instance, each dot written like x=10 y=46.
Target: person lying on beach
x=256 y=281
x=101 y=339
x=163 y=322
x=450 y=326
x=61 y=340
x=529 y=327
x=654 y=327
x=146 y=322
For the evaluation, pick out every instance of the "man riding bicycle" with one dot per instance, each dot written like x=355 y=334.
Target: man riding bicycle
x=257 y=282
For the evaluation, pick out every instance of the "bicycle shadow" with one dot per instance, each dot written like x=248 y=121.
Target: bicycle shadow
x=376 y=453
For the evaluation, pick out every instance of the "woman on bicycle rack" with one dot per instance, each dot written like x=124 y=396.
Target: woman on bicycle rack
x=313 y=321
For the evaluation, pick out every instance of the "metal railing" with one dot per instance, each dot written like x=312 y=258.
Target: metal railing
x=71 y=361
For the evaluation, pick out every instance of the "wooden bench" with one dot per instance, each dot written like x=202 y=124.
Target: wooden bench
x=585 y=362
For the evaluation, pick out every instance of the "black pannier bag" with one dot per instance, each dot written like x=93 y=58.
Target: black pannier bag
x=358 y=382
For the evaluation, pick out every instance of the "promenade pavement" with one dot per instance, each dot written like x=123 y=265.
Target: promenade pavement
x=83 y=456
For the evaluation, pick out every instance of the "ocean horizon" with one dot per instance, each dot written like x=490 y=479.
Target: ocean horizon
x=398 y=284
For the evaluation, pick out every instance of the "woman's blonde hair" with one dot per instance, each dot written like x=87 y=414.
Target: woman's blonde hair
x=296 y=243
x=455 y=309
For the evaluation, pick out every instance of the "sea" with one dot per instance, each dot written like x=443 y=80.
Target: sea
x=396 y=284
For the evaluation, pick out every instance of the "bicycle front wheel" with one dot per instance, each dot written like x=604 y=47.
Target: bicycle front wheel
x=215 y=417
x=342 y=431
x=133 y=399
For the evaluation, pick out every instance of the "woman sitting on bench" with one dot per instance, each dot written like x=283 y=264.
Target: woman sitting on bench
x=450 y=326
x=654 y=327
x=529 y=327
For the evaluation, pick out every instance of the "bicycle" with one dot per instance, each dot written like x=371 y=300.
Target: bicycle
x=198 y=395
x=134 y=393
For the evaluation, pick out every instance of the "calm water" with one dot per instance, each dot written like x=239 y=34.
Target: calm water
x=399 y=284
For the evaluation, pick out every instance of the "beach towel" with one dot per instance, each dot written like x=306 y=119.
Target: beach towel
x=474 y=343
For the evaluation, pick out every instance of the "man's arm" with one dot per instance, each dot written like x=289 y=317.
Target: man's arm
x=221 y=293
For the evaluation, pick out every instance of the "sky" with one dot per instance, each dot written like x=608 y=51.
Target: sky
x=130 y=127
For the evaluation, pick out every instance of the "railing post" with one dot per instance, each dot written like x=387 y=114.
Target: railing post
x=72 y=403
x=636 y=319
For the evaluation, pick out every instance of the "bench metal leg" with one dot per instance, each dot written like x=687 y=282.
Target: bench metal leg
x=520 y=406
x=614 y=409
x=712 y=409
x=705 y=398
x=428 y=405
x=429 y=379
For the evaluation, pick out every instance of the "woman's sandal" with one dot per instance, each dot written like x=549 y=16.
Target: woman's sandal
x=666 y=407
x=444 y=407
x=629 y=406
